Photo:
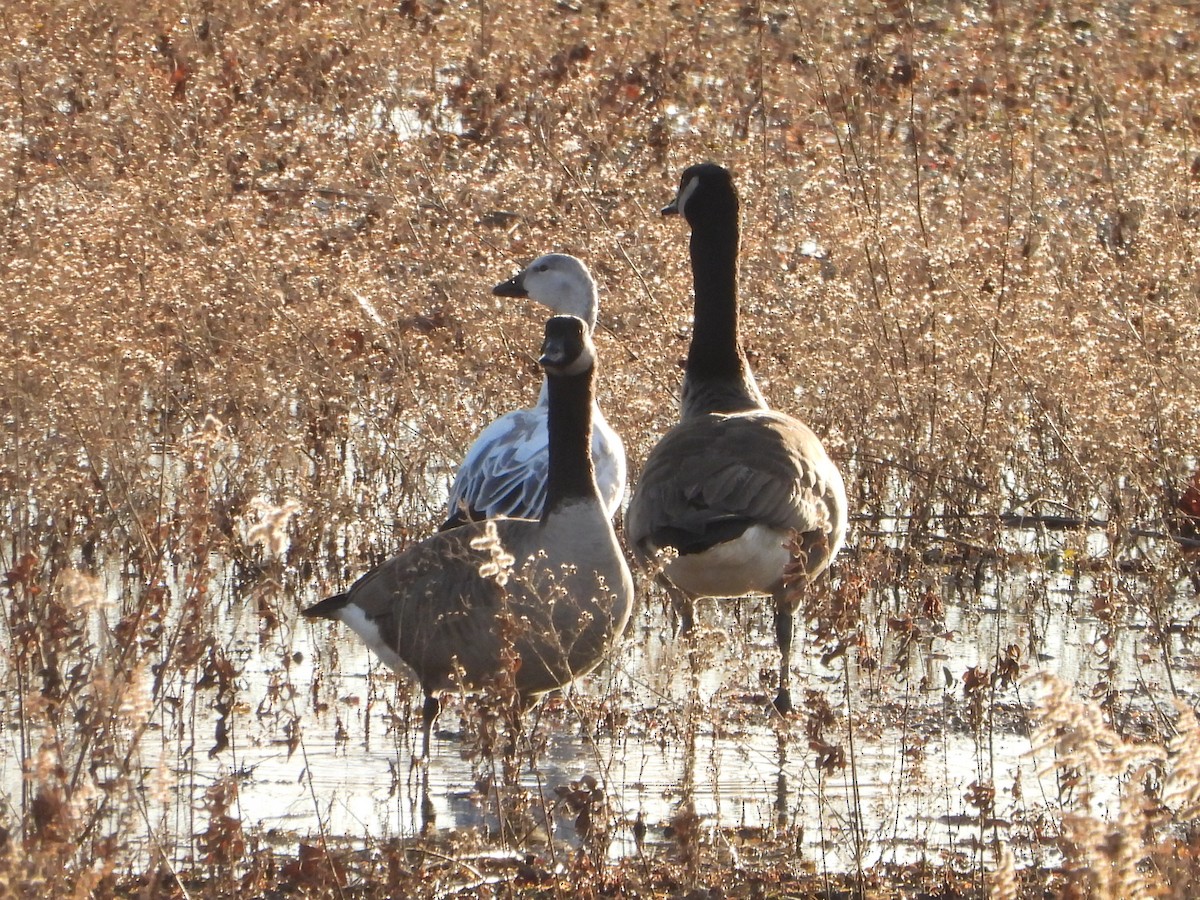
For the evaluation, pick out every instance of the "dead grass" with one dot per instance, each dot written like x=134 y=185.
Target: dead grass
x=244 y=271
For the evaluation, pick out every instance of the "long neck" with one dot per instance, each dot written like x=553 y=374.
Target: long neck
x=581 y=302
x=718 y=377
x=571 y=473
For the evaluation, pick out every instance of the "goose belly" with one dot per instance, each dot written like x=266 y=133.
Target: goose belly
x=751 y=563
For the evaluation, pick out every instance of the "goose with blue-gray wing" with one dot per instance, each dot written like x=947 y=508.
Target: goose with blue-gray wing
x=504 y=472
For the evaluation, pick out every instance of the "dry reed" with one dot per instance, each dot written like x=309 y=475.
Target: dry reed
x=247 y=335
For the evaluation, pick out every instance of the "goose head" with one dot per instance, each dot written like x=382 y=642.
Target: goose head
x=703 y=189
x=557 y=281
x=567 y=348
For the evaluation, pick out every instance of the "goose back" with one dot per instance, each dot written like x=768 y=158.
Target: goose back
x=713 y=476
x=440 y=608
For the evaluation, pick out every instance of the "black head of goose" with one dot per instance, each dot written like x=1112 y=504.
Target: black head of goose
x=439 y=606
x=504 y=471
x=746 y=497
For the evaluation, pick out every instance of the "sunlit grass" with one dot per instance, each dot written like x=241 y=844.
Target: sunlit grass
x=247 y=336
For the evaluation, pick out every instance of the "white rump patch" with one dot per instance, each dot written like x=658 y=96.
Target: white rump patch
x=751 y=563
x=353 y=616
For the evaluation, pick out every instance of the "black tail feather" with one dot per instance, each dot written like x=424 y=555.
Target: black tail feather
x=327 y=608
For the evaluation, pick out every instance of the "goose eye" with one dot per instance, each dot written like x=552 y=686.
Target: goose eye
x=543 y=268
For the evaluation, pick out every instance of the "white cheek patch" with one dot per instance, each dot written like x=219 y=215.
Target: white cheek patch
x=685 y=193
x=583 y=362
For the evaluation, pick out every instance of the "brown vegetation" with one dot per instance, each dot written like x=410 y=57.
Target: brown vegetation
x=246 y=332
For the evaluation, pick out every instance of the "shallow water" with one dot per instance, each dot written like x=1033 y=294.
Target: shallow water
x=698 y=736
x=677 y=732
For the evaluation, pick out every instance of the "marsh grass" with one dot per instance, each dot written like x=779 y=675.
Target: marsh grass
x=247 y=335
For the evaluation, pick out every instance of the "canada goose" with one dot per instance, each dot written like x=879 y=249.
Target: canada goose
x=504 y=472
x=555 y=592
x=746 y=497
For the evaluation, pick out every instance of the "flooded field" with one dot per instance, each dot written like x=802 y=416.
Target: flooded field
x=662 y=731
x=248 y=335
x=916 y=744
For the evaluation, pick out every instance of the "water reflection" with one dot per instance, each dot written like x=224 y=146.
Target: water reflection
x=675 y=743
x=683 y=741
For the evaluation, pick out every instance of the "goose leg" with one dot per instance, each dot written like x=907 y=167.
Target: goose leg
x=429 y=712
x=783 y=637
x=683 y=609
x=428 y=812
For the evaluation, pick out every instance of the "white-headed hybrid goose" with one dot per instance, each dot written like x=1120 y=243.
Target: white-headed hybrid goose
x=741 y=493
x=504 y=472
x=451 y=607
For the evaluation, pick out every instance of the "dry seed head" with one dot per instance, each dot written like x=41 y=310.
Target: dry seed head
x=44 y=766
x=1077 y=737
x=212 y=432
x=160 y=781
x=1003 y=880
x=83 y=591
x=500 y=562
x=270 y=531
x=1181 y=793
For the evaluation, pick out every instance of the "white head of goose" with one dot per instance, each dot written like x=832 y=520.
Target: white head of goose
x=504 y=472
x=438 y=606
x=745 y=496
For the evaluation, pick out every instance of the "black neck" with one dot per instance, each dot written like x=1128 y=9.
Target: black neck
x=569 y=423
x=715 y=355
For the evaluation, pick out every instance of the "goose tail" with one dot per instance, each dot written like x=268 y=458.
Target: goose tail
x=328 y=608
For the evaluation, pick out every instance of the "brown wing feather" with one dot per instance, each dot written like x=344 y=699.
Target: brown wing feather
x=758 y=467
x=432 y=605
